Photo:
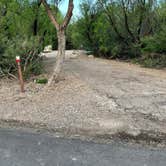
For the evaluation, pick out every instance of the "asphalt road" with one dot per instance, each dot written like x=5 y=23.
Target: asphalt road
x=18 y=148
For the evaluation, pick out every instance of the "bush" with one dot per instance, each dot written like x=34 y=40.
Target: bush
x=154 y=50
x=152 y=60
x=155 y=43
x=27 y=49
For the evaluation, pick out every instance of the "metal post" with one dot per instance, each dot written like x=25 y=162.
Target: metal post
x=20 y=73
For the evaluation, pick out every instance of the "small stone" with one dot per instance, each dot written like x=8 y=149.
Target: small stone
x=90 y=56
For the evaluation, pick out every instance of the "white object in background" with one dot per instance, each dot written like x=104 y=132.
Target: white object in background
x=48 y=48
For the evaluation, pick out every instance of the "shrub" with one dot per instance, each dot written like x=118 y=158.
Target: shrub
x=152 y=60
x=155 y=43
x=154 y=50
x=27 y=49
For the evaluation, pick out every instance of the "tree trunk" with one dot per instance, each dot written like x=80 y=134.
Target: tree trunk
x=60 y=56
x=61 y=37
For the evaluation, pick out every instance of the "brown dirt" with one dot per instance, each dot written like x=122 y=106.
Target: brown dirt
x=93 y=97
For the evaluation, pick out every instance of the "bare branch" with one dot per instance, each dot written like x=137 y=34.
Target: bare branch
x=50 y=14
x=126 y=21
x=68 y=14
x=111 y=20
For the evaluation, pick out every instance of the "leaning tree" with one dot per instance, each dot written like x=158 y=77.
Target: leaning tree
x=60 y=28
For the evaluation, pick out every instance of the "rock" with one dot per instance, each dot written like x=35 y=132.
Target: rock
x=74 y=52
x=48 y=48
x=73 y=56
x=42 y=54
x=90 y=56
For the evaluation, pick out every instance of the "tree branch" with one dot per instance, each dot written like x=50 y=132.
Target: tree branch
x=111 y=21
x=126 y=21
x=50 y=14
x=141 y=17
x=68 y=14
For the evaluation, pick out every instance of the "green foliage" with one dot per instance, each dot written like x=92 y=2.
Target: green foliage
x=25 y=31
x=152 y=60
x=154 y=50
x=28 y=50
x=41 y=81
x=45 y=29
x=94 y=32
x=111 y=29
x=123 y=30
x=155 y=43
x=82 y=33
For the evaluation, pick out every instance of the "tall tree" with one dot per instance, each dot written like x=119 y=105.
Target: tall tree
x=61 y=28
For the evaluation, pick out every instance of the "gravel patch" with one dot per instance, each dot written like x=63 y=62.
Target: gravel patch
x=93 y=97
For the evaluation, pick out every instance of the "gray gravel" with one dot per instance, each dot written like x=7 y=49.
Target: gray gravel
x=93 y=97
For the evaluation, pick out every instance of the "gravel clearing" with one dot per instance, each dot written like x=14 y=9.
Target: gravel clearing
x=93 y=97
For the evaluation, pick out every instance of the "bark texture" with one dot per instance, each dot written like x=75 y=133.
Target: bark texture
x=61 y=28
x=60 y=57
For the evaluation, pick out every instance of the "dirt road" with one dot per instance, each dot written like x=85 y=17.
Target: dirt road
x=133 y=89
x=137 y=93
x=94 y=97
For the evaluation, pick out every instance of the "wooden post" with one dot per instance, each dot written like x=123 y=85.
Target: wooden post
x=20 y=73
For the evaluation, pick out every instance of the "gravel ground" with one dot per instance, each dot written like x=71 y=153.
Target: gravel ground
x=93 y=97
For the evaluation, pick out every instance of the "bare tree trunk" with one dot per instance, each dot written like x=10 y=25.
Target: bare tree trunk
x=60 y=57
x=61 y=36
